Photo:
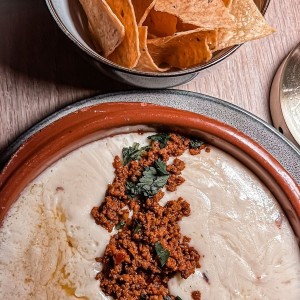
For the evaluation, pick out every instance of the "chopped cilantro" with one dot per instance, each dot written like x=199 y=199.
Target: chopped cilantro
x=137 y=227
x=151 y=182
x=163 y=254
x=133 y=152
x=162 y=138
x=153 y=179
x=132 y=190
x=194 y=144
x=120 y=225
x=161 y=167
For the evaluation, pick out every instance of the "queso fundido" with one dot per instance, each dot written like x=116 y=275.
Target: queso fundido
x=230 y=238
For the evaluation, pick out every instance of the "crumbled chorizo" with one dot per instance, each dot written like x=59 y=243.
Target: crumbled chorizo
x=176 y=167
x=132 y=268
x=196 y=151
x=173 y=182
x=196 y=295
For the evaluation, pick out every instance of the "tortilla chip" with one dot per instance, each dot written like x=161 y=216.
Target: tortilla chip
x=182 y=50
x=146 y=63
x=227 y=3
x=202 y=13
x=160 y=23
x=251 y=25
x=140 y=7
x=184 y=27
x=128 y=52
x=143 y=18
x=211 y=39
x=107 y=32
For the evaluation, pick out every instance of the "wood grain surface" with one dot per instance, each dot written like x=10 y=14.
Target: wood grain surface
x=41 y=72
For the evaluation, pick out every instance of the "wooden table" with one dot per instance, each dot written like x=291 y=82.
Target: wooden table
x=40 y=72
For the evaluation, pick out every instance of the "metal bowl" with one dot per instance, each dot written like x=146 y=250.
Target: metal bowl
x=71 y=19
x=285 y=97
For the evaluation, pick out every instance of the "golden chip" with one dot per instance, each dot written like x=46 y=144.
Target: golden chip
x=146 y=63
x=182 y=50
x=128 y=52
x=251 y=25
x=141 y=7
x=211 y=39
x=227 y=3
x=107 y=32
x=184 y=27
x=202 y=13
x=158 y=35
x=160 y=23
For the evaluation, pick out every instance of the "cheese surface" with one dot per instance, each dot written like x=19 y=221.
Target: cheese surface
x=49 y=241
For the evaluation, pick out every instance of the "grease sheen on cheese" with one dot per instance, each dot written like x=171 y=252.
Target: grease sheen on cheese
x=49 y=241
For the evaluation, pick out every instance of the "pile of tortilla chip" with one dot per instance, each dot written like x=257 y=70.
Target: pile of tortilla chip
x=163 y=35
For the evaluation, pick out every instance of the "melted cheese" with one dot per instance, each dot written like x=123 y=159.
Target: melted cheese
x=49 y=241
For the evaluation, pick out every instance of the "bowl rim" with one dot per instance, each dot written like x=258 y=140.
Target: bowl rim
x=48 y=145
x=278 y=93
x=185 y=100
x=97 y=57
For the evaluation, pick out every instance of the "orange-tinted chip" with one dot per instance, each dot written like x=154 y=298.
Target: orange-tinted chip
x=183 y=50
x=128 y=52
x=160 y=23
x=184 y=27
x=158 y=35
x=146 y=63
x=250 y=25
x=211 y=39
x=140 y=8
x=205 y=14
x=227 y=3
x=107 y=32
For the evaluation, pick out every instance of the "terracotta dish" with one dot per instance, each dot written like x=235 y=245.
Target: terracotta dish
x=101 y=120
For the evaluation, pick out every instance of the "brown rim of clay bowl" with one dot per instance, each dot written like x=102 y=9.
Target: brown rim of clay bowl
x=102 y=120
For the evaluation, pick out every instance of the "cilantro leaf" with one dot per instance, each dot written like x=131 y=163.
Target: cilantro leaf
x=194 y=144
x=132 y=190
x=162 y=138
x=162 y=253
x=151 y=182
x=161 y=167
x=120 y=225
x=133 y=152
x=137 y=228
x=153 y=179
